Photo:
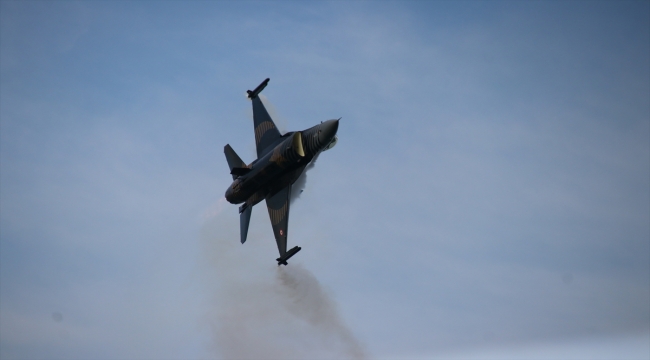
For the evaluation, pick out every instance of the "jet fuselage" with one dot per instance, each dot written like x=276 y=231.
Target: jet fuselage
x=282 y=163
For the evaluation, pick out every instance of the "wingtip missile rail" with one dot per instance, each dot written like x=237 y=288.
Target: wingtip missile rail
x=253 y=94
x=282 y=260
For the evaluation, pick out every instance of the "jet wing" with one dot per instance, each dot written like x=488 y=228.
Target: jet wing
x=278 y=206
x=266 y=133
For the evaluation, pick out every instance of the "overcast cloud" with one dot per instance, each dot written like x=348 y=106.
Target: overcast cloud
x=490 y=190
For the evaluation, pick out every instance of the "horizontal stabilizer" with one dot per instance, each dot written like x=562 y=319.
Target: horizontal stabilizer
x=282 y=260
x=244 y=220
x=258 y=89
x=239 y=171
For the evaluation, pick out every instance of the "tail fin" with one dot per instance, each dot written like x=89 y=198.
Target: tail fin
x=234 y=161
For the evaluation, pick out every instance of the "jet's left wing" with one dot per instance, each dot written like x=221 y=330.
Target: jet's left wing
x=266 y=133
x=278 y=206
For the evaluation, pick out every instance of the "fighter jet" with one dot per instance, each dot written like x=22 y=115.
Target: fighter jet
x=281 y=159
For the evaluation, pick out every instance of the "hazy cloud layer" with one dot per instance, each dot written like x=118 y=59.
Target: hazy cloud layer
x=490 y=188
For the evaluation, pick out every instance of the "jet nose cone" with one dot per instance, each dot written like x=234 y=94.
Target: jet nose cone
x=327 y=131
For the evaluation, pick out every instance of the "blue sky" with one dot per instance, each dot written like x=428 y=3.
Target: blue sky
x=490 y=188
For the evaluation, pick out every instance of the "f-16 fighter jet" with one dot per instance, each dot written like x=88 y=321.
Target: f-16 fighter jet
x=281 y=159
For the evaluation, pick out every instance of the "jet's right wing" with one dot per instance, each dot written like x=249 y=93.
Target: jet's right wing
x=278 y=206
x=266 y=133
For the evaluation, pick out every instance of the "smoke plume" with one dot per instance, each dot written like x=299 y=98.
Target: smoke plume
x=261 y=311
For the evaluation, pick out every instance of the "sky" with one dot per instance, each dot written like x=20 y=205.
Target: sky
x=489 y=195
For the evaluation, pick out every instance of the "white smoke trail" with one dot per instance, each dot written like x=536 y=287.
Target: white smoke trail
x=261 y=311
x=309 y=302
